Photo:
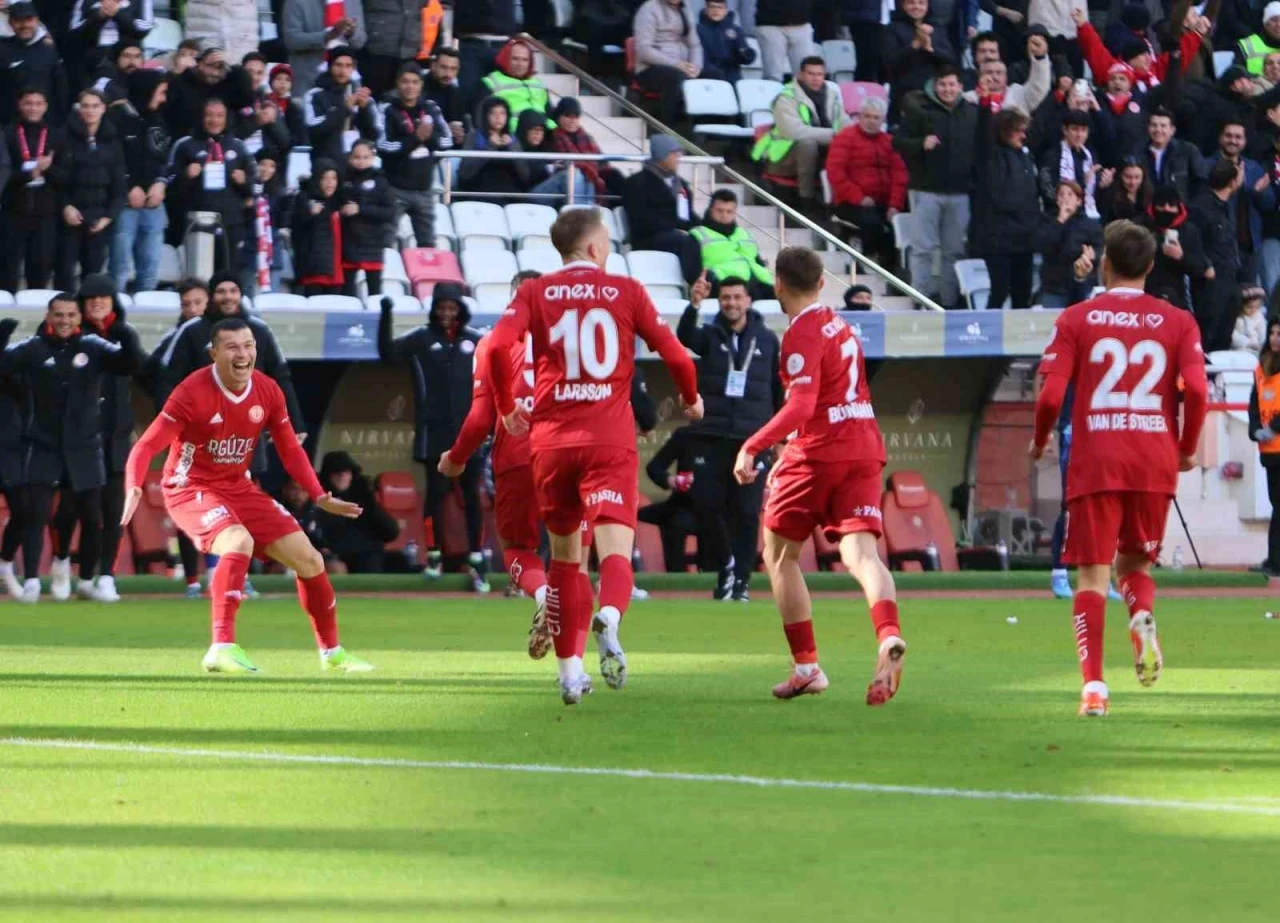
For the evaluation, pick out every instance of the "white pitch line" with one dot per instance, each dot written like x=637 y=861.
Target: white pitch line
x=868 y=788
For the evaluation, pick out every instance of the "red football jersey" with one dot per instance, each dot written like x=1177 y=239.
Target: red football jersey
x=1124 y=352
x=508 y=451
x=584 y=323
x=219 y=429
x=822 y=366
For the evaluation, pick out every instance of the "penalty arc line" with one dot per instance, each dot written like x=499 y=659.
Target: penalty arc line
x=866 y=788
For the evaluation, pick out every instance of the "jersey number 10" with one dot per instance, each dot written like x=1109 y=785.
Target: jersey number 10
x=582 y=352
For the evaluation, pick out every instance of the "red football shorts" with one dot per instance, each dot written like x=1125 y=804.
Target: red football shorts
x=842 y=497
x=1099 y=525
x=515 y=509
x=203 y=512
x=595 y=483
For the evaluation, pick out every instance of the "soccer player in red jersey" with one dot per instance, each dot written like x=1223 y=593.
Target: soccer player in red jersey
x=1125 y=353
x=583 y=323
x=828 y=475
x=211 y=424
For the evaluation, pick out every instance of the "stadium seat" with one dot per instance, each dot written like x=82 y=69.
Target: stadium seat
x=35 y=297
x=713 y=99
x=404 y=233
x=768 y=307
x=444 y=223
x=400 y=304
x=280 y=301
x=481 y=242
x=755 y=100
x=975 y=283
x=617 y=265
x=842 y=58
x=609 y=219
x=854 y=93
x=299 y=167
x=157 y=301
x=6 y=299
x=525 y=220
x=169 y=271
x=489 y=267
x=914 y=521
x=673 y=307
x=334 y=303
x=904 y=235
x=1221 y=61
x=755 y=69
x=400 y=497
x=624 y=226
x=655 y=267
x=164 y=37
x=480 y=219
x=425 y=268
x=539 y=259
x=393 y=272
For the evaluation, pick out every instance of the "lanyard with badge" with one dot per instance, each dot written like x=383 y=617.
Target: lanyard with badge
x=215 y=169
x=30 y=163
x=735 y=385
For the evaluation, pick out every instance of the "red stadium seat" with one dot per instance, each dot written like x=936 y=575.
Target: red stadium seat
x=400 y=497
x=425 y=268
x=914 y=518
x=854 y=93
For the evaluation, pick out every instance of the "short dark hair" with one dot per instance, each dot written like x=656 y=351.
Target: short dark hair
x=1159 y=112
x=31 y=90
x=525 y=275
x=1130 y=249
x=191 y=284
x=814 y=60
x=724 y=195
x=1008 y=121
x=90 y=91
x=228 y=325
x=253 y=56
x=1221 y=175
x=732 y=282
x=799 y=268
x=189 y=44
x=1233 y=121
x=947 y=70
x=63 y=296
x=447 y=53
x=214 y=101
x=982 y=37
x=572 y=226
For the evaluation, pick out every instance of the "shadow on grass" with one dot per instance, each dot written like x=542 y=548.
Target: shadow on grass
x=124 y=835
x=262 y=908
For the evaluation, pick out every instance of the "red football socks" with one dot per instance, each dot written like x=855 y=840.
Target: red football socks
x=429 y=533
x=226 y=586
x=316 y=595
x=1139 y=592
x=586 y=605
x=884 y=616
x=525 y=568
x=617 y=579
x=563 y=602
x=800 y=637
x=1088 y=618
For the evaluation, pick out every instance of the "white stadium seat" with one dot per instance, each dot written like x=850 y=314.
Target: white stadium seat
x=755 y=100
x=525 y=220
x=539 y=259
x=487 y=267
x=841 y=59
x=480 y=219
x=280 y=301
x=713 y=99
x=975 y=283
x=170 y=268
x=157 y=301
x=6 y=299
x=164 y=37
x=655 y=267
x=481 y=242
x=35 y=297
x=334 y=303
x=617 y=265
x=400 y=304
x=767 y=307
x=299 y=167
x=404 y=233
x=444 y=222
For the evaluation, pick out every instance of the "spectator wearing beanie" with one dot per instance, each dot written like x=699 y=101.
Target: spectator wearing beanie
x=668 y=52
x=1134 y=22
x=28 y=60
x=1006 y=207
x=139 y=231
x=1180 y=256
x=339 y=111
x=1065 y=278
x=1121 y=118
x=232 y=24
x=413 y=132
x=111 y=75
x=724 y=45
x=317 y=232
x=569 y=137
x=545 y=177
x=514 y=80
x=476 y=174
x=659 y=207
x=859 y=298
x=92 y=191
x=29 y=209
x=211 y=78
x=868 y=180
x=358 y=543
x=279 y=93
x=368 y=219
x=1253 y=49
x=1148 y=72
x=313 y=26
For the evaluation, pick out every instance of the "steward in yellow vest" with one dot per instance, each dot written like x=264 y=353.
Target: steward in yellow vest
x=515 y=82
x=728 y=250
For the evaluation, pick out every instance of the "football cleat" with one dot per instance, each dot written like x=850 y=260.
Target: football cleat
x=1095 y=701
x=797 y=685
x=888 y=671
x=106 y=589
x=540 y=639
x=249 y=592
x=85 y=589
x=193 y=591
x=1113 y=594
x=338 y=659
x=227 y=658
x=1060 y=585
x=638 y=595
x=60 y=579
x=613 y=662
x=434 y=567
x=30 y=591
x=740 y=592
x=572 y=690
x=12 y=585
x=1147 y=659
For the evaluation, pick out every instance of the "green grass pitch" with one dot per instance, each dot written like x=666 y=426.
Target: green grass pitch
x=128 y=834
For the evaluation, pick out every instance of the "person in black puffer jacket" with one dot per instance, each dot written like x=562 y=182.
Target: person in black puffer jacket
x=104 y=316
x=1062 y=239
x=368 y=219
x=359 y=543
x=912 y=50
x=1009 y=206
x=91 y=178
x=441 y=354
x=317 y=232
x=139 y=231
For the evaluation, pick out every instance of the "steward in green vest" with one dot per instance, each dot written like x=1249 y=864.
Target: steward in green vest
x=771 y=147
x=1252 y=51
x=515 y=82
x=728 y=250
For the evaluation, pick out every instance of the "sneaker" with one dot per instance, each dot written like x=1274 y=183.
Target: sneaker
x=30 y=591
x=1147 y=659
x=540 y=639
x=1095 y=701
x=434 y=567
x=338 y=659
x=638 y=595
x=1113 y=594
x=797 y=685
x=106 y=589
x=613 y=662
x=193 y=591
x=724 y=585
x=572 y=690
x=478 y=583
x=12 y=585
x=1060 y=584
x=227 y=658
x=740 y=593
x=249 y=592
x=60 y=579
x=888 y=671
x=86 y=590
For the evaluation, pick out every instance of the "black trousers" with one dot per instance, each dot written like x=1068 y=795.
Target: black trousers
x=364 y=562
x=1216 y=305
x=1273 y=530
x=668 y=83
x=373 y=278
x=69 y=513
x=190 y=558
x=13 y=531
x=866 y=43
x=37 y=507
x=873 y=228
x=728 y=512
x=29 y=247
x=378 y=73
x=438 y=488
x=675 y=522
x=78 y=246
x=1010 y=278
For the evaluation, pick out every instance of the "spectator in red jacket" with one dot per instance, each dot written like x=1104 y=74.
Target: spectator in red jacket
x=1148 y=72
x=868 y=180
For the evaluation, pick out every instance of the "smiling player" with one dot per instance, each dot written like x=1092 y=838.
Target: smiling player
x=212 y=422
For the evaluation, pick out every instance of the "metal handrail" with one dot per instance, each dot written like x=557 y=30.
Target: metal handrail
x=632 y=109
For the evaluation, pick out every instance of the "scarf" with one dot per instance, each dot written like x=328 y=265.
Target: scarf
x=102 y=328
x=819 y=99
x=266 y=248
x=1067 y=171
x=1119 y=103
x=334 y=12
x=1166 y=220
x=994 y=102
